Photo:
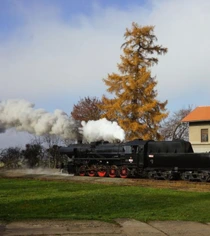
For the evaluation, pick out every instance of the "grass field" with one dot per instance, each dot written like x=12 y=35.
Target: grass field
x=22 y=199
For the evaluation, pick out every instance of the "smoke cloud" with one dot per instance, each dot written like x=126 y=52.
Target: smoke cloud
x=102 y=130
x=21 y=115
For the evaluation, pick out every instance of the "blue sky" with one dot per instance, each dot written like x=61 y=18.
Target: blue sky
x=11 y=19
x=54 y=52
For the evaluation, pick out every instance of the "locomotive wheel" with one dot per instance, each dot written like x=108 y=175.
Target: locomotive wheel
x=102 y=171
x=82 y=171
x=150 y=175
x=113 y=171
x=168 y=176
x=124 y=172
x=204 y=178
x=92 y=171
x=184 y=176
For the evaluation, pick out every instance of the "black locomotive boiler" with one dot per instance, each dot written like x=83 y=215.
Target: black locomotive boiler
x=138 y=158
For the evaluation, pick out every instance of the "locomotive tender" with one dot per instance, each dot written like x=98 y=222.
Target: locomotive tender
x=138 y=158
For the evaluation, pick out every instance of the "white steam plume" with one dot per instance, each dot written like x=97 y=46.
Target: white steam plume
x=20 y=114
x=102 y=130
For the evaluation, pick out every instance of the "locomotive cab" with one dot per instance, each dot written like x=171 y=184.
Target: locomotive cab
x=137 y=154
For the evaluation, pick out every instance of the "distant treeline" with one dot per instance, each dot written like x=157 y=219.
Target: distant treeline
x=33 y=155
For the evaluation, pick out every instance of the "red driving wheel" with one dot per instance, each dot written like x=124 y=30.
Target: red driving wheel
x=124 y=172
x=113 y=171
x=102 y=171
x=92 y=171
x=82 y=171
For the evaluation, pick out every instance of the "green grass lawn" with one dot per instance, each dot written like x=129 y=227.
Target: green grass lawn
x=22 y=199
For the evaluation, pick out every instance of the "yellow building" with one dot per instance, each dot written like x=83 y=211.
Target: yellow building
x=199 y=128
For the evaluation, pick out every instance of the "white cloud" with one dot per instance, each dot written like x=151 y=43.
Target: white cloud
x=49 y=59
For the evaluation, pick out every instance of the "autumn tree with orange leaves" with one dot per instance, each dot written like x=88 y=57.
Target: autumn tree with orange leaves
x=135 y=106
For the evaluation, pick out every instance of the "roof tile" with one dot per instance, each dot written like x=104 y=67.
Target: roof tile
x=201 y=113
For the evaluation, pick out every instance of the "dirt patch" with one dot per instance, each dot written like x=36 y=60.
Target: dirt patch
x=55 y=174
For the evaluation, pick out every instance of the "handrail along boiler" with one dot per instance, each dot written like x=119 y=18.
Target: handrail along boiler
x=138 y=158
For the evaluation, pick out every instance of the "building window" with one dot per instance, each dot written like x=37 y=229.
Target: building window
x=204 y=135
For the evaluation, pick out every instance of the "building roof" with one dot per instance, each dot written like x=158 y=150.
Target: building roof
x=201 y=113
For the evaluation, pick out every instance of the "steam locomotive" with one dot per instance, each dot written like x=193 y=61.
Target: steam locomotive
x=138 y=158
